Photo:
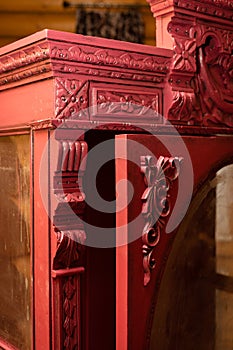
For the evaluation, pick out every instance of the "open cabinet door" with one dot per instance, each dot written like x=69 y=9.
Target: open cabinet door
x=157 y=181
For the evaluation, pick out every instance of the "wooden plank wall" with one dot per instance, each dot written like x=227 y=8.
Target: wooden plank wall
x=19 y=18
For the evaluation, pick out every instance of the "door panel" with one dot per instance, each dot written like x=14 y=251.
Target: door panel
x=136 y=300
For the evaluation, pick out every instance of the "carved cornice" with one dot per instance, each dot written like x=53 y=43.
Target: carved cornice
x=156 y=204
x=213 y=8
x=24 y=57
x=81 y=59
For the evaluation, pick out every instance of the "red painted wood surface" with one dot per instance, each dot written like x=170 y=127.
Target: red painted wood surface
x=53 y=80
x=135 y=301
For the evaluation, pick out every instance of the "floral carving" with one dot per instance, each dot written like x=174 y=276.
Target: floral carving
x=115 y=58
x=71 y=99
x=127 y=104
x=185 y=55
x=156 y=205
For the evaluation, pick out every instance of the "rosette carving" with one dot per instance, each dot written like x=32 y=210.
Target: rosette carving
x=185 y=55
x=156 y=205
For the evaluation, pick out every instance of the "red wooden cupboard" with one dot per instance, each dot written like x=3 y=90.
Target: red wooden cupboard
x=116 y=176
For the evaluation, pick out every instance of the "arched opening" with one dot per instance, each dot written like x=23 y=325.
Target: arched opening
x=195 y=301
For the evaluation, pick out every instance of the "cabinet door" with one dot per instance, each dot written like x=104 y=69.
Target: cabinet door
x=159 y=180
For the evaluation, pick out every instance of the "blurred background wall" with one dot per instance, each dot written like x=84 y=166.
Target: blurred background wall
x=19 y=18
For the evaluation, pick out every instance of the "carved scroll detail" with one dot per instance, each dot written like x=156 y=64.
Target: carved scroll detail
x=156 y=205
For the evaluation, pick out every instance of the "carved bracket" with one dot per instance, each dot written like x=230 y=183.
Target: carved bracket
x=156 y=205
x=202 y=68
x=71 y=202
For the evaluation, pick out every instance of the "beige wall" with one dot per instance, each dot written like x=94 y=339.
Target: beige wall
x=19 y=18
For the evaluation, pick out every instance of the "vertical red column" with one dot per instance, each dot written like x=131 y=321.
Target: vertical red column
x=42 y=268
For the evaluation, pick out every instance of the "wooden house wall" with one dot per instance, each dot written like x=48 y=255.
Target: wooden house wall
x=21 y=18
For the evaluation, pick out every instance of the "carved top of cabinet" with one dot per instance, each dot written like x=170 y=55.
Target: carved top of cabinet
x=49 y=53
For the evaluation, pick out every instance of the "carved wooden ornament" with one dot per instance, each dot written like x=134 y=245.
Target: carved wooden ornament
x=202 y=68
x=156 y=205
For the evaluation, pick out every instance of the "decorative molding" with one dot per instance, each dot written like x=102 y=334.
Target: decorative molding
x=156 y=205
x=202 y=68
x=111 y=58
x=215 y=8
x=71 y=99
x=42 y=124
x=12 y=78
x=68 y=216
x=114 y=73
x=25 y=57
x=125 y=103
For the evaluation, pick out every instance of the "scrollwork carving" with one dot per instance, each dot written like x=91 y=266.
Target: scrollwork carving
x=135 y=104
x=156 y=205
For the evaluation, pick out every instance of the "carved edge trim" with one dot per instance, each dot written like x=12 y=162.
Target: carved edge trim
x=156 y=205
